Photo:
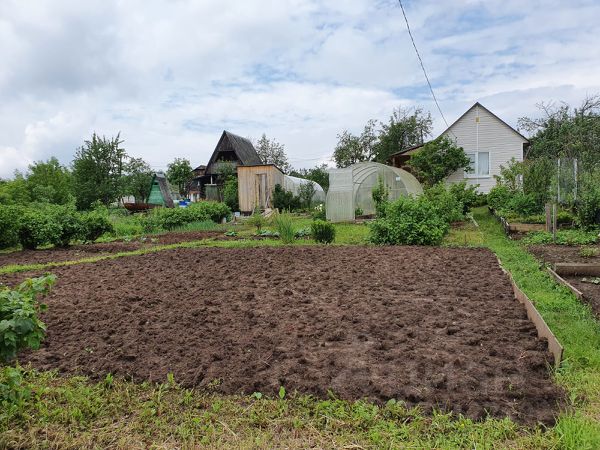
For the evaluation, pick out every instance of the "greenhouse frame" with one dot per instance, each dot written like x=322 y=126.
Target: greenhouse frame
x=351 y=188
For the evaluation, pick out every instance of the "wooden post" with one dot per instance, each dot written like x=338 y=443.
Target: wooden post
x=548 y=217
x=554 y=222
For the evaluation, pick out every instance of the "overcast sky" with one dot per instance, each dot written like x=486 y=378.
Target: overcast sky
x=172 y=75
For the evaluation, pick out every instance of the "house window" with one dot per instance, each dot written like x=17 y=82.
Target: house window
x=480 y=165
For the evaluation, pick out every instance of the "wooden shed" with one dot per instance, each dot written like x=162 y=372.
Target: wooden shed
x=256 y=184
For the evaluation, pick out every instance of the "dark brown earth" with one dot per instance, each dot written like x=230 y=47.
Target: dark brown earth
x=564 y=253
x=435 y=327
x=104 y=248
x=552 y=254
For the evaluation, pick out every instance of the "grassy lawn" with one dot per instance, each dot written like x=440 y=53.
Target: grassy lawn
x=73 y=412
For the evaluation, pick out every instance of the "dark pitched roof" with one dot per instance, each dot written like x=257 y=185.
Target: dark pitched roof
x=456 y=121
x=242 y=147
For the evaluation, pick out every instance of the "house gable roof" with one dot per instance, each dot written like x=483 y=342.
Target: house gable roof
x=242 y=147
x=406 y=150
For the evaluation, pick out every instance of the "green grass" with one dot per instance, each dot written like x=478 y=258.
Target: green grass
x=74 y=412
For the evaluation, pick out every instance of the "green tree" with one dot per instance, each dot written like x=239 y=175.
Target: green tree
x=306 y=192
x=351 y=149
x=179 y=173
x=14 y=192
x=272 y=152
x=318 y=174
x=564 y=131
x=437 y=159
x=97 y=171
x=406 y=128
x=50 y=182
x=230 y=193
x=138 y=176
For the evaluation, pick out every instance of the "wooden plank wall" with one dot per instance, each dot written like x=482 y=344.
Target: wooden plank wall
x=248 y=185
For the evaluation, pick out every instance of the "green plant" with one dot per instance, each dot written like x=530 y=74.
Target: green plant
x=498 y=197
x=445 y=202
x=285 y=200
x=318 y=212
x=257 y=220
x=465 y=194
x=37 y=228
x=380 y=194
x=9 y=225
x=588 y=252
x=20 y=326
x=409 y=221
x=323 y=232
x=563 y=237
x=437 y=159
x=303 y=232
x=230 y=193
x=358 y=212
x=284 y=223
x=94 y=224
x=588 y=204
x=306 y=192
x=524 y=204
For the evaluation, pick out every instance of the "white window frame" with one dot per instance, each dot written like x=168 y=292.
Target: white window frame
x=476 y=164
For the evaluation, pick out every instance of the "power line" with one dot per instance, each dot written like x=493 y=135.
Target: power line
x=422 y=65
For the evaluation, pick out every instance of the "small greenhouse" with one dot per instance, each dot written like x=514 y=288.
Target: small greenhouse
x=351 y=188
x=293 y=184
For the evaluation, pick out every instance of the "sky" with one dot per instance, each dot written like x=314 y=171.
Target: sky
x=170 y=76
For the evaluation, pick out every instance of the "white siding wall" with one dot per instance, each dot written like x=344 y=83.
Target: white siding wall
x=487 y=135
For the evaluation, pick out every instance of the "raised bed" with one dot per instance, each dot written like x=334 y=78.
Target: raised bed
x=434 y=327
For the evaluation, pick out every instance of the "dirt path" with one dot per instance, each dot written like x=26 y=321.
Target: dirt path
x=434 y=327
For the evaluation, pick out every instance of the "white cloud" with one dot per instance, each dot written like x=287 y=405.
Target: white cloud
x=171 y=75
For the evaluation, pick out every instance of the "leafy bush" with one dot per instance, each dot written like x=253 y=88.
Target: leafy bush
x=20 y=326
x=358 y=212
x=9 y=225
x=285 y=227
x=524 y=204
x=465 y=194
x=285 y=200
x=322 y=231
x=230 y=193
x=445 y=203
x=498 y=197
x=93 y=225
x=409 y=221
x=257 y=220
x=36 y=228
x=563 y=237
x=588 y=206
x=170 y=218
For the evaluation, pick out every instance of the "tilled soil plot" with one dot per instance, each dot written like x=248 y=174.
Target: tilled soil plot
x=434 y=327
x=552 y=254
x=76 y=252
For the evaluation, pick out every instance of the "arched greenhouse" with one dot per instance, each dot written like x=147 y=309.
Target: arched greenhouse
x=293 y=184
x=351 y=188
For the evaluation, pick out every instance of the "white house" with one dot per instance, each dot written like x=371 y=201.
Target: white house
x=487 y=140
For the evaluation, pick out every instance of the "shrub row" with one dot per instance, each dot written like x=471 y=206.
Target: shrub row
x=171 y=218
x=44 y=224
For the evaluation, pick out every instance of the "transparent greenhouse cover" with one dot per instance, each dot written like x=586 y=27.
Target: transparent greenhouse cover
x=351 y=188
x=292 y=184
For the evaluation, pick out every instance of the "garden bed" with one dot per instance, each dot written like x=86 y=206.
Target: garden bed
x=434 y=327
x=553 y=254
x=82 y=251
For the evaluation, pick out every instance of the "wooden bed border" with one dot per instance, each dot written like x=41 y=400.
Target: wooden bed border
x=533 y=314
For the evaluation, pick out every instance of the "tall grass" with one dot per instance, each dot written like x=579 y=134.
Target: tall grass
x=284 y=223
